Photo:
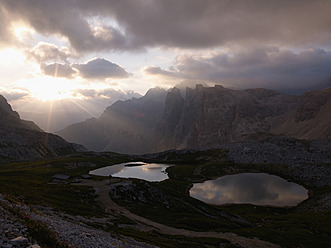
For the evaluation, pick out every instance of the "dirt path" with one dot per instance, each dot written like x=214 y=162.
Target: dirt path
x=102 y=187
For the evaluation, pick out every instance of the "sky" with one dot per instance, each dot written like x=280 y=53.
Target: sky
x=103 y=50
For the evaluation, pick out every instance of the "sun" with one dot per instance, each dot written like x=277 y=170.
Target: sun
x=22 y=31
x=51 y=94
x=48 y=88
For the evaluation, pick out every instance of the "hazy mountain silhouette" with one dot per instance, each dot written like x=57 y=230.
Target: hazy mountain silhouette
x=24 y=140
x=203 y=117
x=125 y=127
x=210 y=117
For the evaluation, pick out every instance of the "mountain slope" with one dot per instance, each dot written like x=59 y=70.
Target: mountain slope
x=10 y=118
x=312 y=117
x=124 y=127
x=206 y=117
x=212 y=116
x=24 y=140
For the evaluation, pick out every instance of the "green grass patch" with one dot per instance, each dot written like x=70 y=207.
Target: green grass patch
x=168 y=202
x=32 y=182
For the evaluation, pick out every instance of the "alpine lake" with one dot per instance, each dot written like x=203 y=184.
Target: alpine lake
x=187 y=193
x=152 y=172
x=244 y=188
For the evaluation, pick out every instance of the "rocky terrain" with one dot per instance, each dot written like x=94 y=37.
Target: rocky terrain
x=304 y=162
x=15 y=234
x=24 y=140
x=308 y=161
x=203 y=118
x=280 y=150
x=210 y=117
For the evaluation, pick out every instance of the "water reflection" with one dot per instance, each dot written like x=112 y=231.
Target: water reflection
x=254 y=188
x=150 y=172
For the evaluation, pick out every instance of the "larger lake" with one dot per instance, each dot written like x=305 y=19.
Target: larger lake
x=253 y=188
x=147 y=171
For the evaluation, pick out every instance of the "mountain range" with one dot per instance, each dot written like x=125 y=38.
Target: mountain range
x=202 y=118
x=124 y=127
x=24 y=140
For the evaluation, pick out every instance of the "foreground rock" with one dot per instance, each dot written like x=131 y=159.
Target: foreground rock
x=14 y=234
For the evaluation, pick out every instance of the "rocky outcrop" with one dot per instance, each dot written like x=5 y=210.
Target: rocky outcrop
x=174 y=105
x=202 y=118
x=311 y=119
x=65 y=231
x=212 y=116
x=24 y=140
x=124 y=127
x=10 y=118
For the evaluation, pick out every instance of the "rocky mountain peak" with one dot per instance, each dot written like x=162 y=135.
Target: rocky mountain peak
x=154 y=93
x=24 y=140
x=124 y=127
x=5 y=109
x=206 y=117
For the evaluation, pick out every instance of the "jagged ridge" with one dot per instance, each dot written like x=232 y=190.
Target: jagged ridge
x=124 y=127
x=24 y=140
x=206 y=117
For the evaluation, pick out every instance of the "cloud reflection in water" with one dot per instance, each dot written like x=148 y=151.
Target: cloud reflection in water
x=149 y=172
x=253 y=188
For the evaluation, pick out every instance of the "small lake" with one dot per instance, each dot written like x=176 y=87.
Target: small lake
x=147 y=171
x=252 y=188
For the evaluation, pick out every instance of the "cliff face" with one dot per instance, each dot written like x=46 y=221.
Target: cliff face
x=10 y=118
x=124 y=127
x=311 y=119
x=24 y=140
x=213 y=116
x=163 y=135
x=206 y=117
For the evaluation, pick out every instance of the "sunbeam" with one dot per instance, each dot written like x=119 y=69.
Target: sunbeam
x=49 y=118
x=81 y=107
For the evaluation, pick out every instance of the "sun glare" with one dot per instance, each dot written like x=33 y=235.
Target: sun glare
x=21 y=31
x=11 y=56
x=50 y=89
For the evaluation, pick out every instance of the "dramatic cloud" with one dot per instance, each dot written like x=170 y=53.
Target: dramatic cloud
x=44 y=52
x=68 y=19
x=107 y=93
x=272 y=32
x=267 y=67
x=131 y=25
x=100 y=69
x=3 y=28
x=94 y=69
x=58 y=70
x=156 y=70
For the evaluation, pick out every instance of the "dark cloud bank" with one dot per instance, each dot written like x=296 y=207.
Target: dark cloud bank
x=265 y=28
x=94 y=69
x=270 y=67
x=45 y=52
x=101 y=68
x=173 y=23
x=58 y=70
x=97 y=68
